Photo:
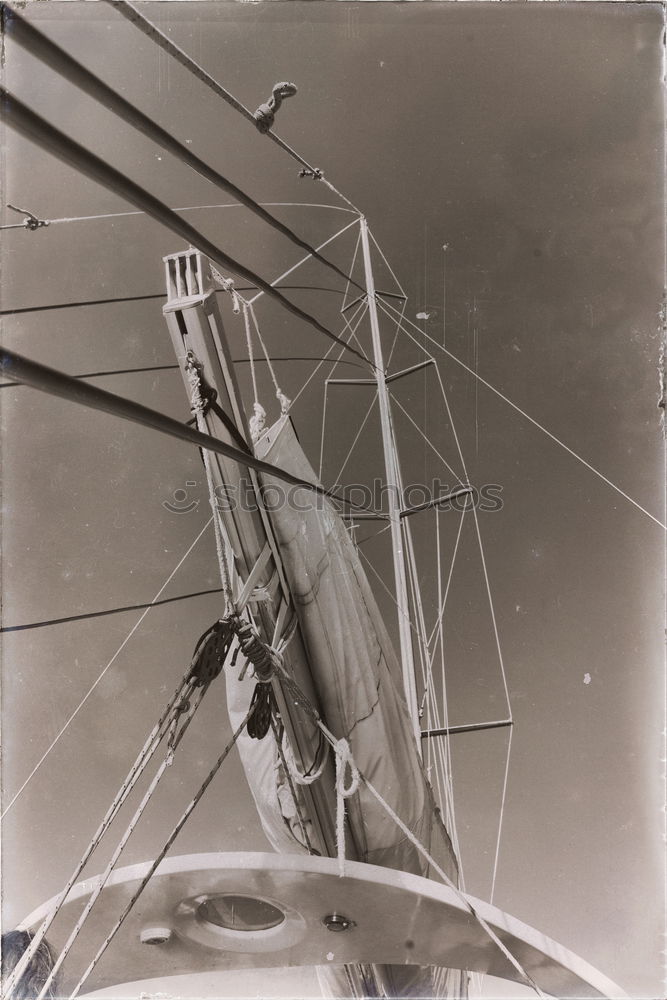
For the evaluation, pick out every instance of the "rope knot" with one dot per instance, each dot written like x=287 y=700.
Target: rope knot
x=344 y=761
x=194 y=372
x=285 y=403
x=30 y=220
x=257 y=421
x=227 y=285
x=265 y=114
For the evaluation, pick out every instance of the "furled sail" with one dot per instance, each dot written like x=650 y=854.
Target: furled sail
x=357 y=679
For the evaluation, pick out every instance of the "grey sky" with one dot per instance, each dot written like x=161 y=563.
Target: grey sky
x=529 y=139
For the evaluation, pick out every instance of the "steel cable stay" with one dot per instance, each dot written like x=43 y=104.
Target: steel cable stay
x=424 y=642
x=38 y=130
x=442 y=602
x=387 y=306
x=294 y=267
x=57 y=59
x=358 y=317
x=185 y=208
x=446 y=777
x=479 y=538
x=441 y=613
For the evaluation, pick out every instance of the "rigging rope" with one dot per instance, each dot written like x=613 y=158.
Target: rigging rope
x=38 y=130
x=311 y=775
x=258 y=419
x=285 y=403
x=344 y=762
x=132 y=14
x=184 y=707
x=57 y=383
x=425 y=657
x=110 y=611
x=523 y=413
x=146 y=753
x=170 y=840
x=528 y=979
x=289 y=776
x=362 y=308
x=37 y=44
x=446 y=751
x=163 y=368
x=501 y=817
x=299 y=263
x=105 y=669
x=358 y=776
x=186 y=208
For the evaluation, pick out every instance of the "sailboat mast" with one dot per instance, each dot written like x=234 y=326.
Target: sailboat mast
x=394 y=495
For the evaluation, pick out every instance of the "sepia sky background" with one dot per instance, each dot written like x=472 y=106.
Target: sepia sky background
x=528 y=138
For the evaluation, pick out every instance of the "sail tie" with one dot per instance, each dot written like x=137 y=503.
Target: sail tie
x=344 y=761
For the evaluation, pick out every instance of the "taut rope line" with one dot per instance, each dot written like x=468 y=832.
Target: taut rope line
x=38 y=130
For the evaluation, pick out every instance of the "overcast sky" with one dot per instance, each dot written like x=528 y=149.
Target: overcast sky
x=528 y=139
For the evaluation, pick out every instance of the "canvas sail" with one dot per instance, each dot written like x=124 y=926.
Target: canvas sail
x=357 y=679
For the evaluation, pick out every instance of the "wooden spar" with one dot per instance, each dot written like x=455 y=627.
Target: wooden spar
x=394 y=494
x=195 y=324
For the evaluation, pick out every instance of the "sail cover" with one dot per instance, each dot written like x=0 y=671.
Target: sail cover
x=357 y=678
